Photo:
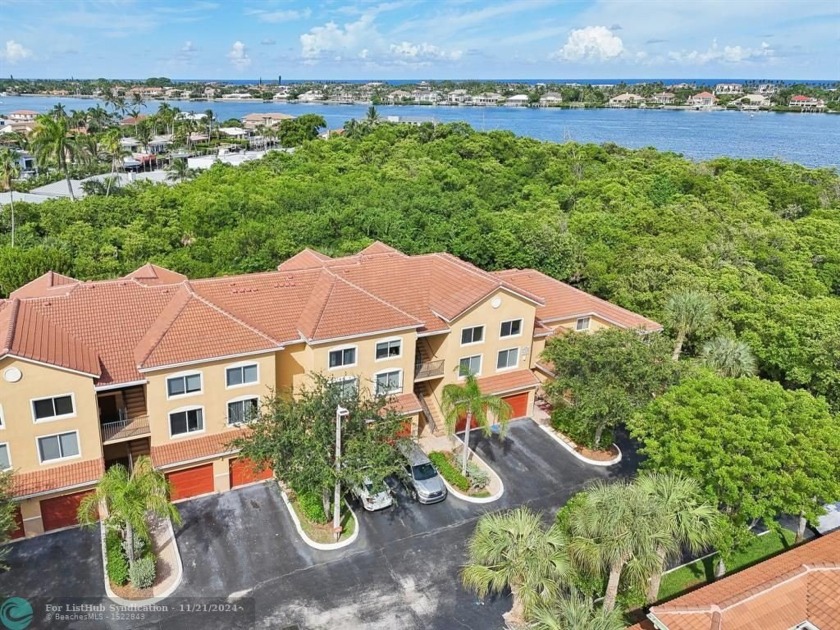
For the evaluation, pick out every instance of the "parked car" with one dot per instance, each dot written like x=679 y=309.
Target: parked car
x=422 y=480
x=373 y=497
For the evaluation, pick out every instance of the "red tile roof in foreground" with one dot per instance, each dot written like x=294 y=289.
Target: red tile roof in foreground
x=153 y=317
x=190 y=449
x=802 y=584
x=57 y=478
x=406 y=404
x=516 y=380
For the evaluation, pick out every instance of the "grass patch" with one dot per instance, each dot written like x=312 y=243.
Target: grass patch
x=323 y=532
x=703 y=571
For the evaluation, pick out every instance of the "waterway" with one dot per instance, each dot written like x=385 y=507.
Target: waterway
x=809 y=139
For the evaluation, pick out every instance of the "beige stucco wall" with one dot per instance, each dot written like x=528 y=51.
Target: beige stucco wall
x=20 y=431
x=213 y=397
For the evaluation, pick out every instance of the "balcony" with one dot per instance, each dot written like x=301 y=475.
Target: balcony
x=428 y=369
x=125 y=429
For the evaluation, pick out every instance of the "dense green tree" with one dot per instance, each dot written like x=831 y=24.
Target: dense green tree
x=295 y=131
x=9 y=172
x=687 y=312
x=19 y=265
x=729 y=357
x=7 y=514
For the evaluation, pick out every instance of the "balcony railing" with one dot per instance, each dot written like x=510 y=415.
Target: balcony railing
x=428 y=369
x=125 y=429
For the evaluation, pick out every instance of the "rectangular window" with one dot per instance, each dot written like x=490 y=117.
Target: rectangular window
x=470 y=365
x=243 y=411
x=5 y=458
x=582 y=324
x=181 y=385
x=346 y=387
x=342 y=358
x=388 y=383
x=60 y=446
x=388 y=349
x=48 y=408
x=241 y=375
x=188 y=421
x=513 y=328
x=472 y=335
x=507 y=359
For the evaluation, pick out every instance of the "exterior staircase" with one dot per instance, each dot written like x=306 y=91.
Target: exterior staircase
x=134 y=400
x=138 y=448
x=431 y=409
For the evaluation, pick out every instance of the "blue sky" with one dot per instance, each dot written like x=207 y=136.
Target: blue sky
x=334 y=39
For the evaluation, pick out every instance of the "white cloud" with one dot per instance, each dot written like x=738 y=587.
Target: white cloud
x=188 y=48
x=591 y=43
x=238 y=56
x=331 y=39
x=275 y=17
x=14 y=52
x=726 y=54
x=423 y=52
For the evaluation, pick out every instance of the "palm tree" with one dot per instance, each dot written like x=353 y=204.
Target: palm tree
x=51 y=143
x=9 y=171
x=729 y=357
x=144 y=134
x=179 y=171
x=513 y=550
x=129 y=498
x=468 y=401
x=608 y=532
x=58 y=111
x=372 y=115
x=682 y=519
x=110 y=144
x=575 y=612
x=687 y=312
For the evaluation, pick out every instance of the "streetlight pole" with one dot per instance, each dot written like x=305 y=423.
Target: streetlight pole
x=340 y=412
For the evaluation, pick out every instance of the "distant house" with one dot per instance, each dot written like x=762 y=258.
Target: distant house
x=209 y=92
x=486 y=98
x=23 y=116
x=310 y=97
x=807 y=103
x=664 y=98
x=237 y=96
x=626 y=100
x=130 y=121
x=280 y=96
x=427 y=96
x=233 y=132
x=264 y=119
x=767 y=89
x=703 y=99
x=458 y=96
x=551 y=99
x=729 y=88
x=398 y=96
x=752 y=101
x=518 y=100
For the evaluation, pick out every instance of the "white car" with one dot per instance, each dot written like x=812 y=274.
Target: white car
x=373 y=498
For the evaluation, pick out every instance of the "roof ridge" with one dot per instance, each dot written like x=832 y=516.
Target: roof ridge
x=324 y=302
x=10 y=333
x=379 y=299
x=183 y=294
x=231 y=316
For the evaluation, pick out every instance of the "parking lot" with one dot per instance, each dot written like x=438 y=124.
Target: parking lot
x=402 y=571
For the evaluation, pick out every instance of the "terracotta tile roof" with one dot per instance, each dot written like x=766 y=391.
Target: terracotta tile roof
x=798 y=585
x=152 y=274
x=57 y=477
x=304 y=259
x=51 y=283
x=515 y=380
x=190 y=449
x=406 y=404
x=27 y=334
x=566 y=302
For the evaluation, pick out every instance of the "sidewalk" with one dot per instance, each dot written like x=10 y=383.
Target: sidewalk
x=169 y=571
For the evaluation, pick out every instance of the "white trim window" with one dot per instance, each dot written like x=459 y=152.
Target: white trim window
x=472 y=335
x=241 y=375
x=469 y=365
x=389 y=382
x=243 y=410
x=186 y=421
x=346 y=387
x=510 y=328
x=389 y=349
x=53 y=408
x=582 y=324
x=184 y=385
x=342 y=357
x=5 y=456
x=507 y=359
x=60 y=446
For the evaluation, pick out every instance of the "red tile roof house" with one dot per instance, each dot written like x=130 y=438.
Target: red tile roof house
x=806 y=102
x=796 y=590
x=93 y=373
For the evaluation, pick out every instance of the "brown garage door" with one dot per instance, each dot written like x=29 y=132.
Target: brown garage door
x=242 y=472
x=17 y=532
x=518 y=404
x=191 y=482
x=61 y=511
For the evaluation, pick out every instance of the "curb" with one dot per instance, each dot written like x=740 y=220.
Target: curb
x=464 y=497
x=307 y=539
x=137 y=603
x=591 y=462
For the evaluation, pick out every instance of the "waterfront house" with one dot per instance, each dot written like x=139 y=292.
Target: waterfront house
x=311 y=96
x=517 y=100
x=23 y=116
x=551 y=99
x=752 y=102
x=264 y=119
x=209 y=93
x=426 y=96
x=458 y=97
x=768 y=89
x=626 y=100
x=237 y=96
x=664 y=98
x=399 y=96
x=130 y=121
x=156 y=364
x=486 y=98
x=729 y=89
x=807 y=103
x=703 y=99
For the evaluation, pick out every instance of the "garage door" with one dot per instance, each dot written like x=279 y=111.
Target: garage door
x=61 y=511
x=518 y=404
x=191 y=482
x=242 y=473
x=17 y=532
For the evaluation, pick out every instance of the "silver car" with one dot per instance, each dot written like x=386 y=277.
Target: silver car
x=422 y=478
x=373 y=497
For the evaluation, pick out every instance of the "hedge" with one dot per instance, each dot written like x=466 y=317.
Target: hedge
x=116 y=560
x=449 y=472
x=312 y=506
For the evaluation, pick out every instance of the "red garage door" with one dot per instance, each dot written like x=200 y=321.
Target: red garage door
x=61 y=511
x=518 y=404
x=17 y=532
x=191 y=482
x=242 y=472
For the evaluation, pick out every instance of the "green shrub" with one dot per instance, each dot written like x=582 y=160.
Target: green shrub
x=479 y=478
x=139 y=547
x=312 y=506
x=115 y=558
x=448 y=471
x=143 y=572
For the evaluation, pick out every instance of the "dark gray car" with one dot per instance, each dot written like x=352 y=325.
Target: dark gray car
x=422 y=479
